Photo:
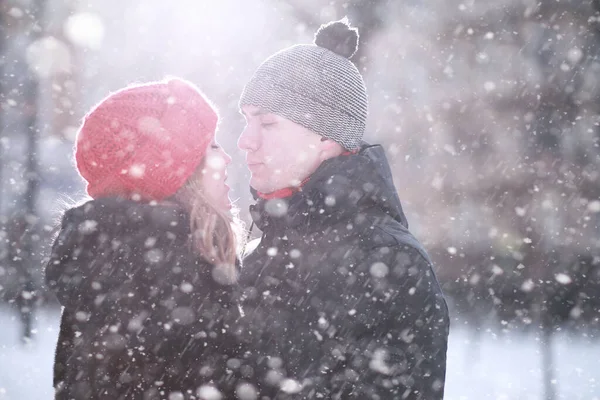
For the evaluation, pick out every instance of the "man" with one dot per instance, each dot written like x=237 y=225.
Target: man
x=341 y=301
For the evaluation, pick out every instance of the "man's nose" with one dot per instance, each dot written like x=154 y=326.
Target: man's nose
x=248 y=140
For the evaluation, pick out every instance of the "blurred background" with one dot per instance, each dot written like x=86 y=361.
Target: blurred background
x=489 y=112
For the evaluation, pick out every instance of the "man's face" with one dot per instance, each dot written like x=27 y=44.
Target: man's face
x=279 y=152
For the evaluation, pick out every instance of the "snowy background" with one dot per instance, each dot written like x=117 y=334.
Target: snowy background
x=489 y=111
x=488 y=366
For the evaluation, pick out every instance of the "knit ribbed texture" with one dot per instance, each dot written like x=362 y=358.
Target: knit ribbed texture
x=145 y=139
x=314 y=87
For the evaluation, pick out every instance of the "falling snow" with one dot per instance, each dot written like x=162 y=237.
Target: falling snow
x=85 y=29
x=490 y=124
x=563 y=279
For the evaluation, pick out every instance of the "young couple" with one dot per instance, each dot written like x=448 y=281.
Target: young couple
x=337 y=301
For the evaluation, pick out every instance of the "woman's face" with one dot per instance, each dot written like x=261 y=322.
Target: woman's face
x=214 y=176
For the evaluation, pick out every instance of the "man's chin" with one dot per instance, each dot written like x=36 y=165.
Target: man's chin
x=259 y=186
x=263 y=187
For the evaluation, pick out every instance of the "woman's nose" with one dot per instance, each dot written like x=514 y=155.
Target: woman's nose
x=227 y=158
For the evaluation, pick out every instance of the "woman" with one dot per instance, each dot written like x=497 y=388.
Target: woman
x=146 y=269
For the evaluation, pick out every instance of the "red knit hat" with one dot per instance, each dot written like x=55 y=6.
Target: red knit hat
x=145 y=140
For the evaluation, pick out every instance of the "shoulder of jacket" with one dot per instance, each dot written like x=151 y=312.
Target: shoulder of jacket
x=401 y=249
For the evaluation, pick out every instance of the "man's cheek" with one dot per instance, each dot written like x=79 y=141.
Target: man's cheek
x=302 y=157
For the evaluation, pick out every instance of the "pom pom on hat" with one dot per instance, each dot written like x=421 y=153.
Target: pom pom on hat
x=339 y=37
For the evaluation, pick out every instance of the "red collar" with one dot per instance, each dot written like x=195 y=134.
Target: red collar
x=282 y=193
x=289 y=191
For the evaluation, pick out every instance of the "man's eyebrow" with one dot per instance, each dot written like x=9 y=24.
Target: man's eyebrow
x=256 y=113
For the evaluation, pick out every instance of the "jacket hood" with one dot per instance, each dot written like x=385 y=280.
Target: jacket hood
x=106 y=242
x=342 y=188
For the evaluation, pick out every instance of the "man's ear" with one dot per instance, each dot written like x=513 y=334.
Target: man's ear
x=329 y=148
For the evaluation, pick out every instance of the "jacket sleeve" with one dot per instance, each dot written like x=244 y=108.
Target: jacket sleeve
x=60 y=254
x=96 y=261
x=397 y=323
x=420 y=322
x=87 y=264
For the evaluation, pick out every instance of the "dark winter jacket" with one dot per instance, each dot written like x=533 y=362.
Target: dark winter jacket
x=143 y=318
x=341 y=301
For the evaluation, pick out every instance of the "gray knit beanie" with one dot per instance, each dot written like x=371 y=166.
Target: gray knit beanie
x=315 y=85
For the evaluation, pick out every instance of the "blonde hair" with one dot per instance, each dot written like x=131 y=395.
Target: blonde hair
x=216 y=235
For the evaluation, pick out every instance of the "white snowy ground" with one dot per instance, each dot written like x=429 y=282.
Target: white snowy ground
x=500 y=367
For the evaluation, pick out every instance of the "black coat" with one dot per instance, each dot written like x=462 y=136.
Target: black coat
x=142 y=317
x=341 y=300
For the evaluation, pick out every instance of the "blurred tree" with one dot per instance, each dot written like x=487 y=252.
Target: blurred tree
x=540 y=192
x=20 y=230
x=25 y=21
x=2 y=100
